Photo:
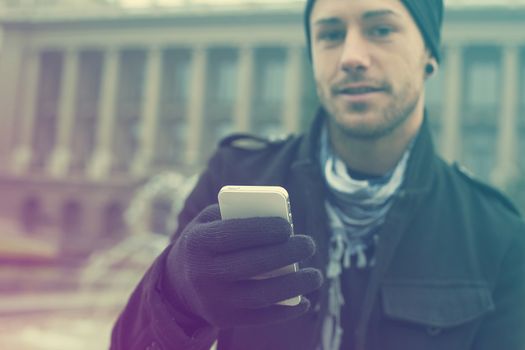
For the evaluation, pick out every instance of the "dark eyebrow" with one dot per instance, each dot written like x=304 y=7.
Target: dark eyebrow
x=328 y=21
x=379 y=13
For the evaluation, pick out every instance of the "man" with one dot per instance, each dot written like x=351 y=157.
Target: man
x=397 y=250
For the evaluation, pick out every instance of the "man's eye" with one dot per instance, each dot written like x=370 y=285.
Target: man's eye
x=381 y=31
x=332 y=36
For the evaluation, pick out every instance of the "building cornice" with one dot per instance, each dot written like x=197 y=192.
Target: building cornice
x=106 y=15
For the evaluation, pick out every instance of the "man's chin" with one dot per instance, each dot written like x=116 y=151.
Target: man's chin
x=363 y=125
x=365 y=132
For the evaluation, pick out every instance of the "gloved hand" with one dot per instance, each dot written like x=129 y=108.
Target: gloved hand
x=211 y=265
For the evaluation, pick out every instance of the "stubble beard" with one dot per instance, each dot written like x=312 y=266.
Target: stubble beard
x=392 y=116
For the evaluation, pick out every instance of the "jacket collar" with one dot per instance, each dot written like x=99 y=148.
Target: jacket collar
x=421 y=166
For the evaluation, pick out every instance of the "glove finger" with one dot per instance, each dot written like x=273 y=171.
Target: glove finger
x=209 y=214
x=238 y=234
x=271 y=314
x=249 y=263
x=256 y=294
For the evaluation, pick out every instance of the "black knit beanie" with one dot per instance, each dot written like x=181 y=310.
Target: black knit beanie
x=428 y=15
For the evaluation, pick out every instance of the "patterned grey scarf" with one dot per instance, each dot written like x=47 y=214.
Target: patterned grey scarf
x=356 y=209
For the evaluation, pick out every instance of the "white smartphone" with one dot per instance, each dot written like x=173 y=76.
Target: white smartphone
x=240 y=202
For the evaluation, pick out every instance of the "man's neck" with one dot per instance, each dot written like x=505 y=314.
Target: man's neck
x=375 y=156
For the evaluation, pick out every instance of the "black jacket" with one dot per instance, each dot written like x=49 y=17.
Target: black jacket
x=449 y=273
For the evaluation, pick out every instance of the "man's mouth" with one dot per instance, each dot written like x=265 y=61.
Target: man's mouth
x=359 y=90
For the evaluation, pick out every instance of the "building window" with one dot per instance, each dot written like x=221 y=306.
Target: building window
x=71 y=221
x=309 y=99
x=221 y=94
x=129 y=108
x=269 y=94
x=224 y=77
x=482 y=67
x=86 y=115
x=45 y=124
x=31 y=214
x=113 y=220
x=172 y=126
x=521 y=145
x=521 y=115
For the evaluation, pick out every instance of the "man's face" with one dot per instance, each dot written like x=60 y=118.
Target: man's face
x=369 y=59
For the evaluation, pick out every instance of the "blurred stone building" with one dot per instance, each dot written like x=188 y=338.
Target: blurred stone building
x=97 y=97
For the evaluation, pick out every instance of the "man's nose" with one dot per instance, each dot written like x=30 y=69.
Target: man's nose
x=355 y=56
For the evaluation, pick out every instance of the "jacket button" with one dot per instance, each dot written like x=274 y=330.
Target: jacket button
x=433 y=331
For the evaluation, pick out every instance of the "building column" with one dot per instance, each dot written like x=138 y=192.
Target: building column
x=507 y=156
x=196 y=105
x=150 y=108
x=243 y=104
x=23 y=151
x=450 y=138
x=292 y=102
x=60 y=157
x=101 y=161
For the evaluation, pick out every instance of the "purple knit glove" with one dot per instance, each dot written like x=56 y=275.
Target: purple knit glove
x=211 y=264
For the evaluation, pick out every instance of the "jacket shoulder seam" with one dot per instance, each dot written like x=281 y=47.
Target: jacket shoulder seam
x=249 y=142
